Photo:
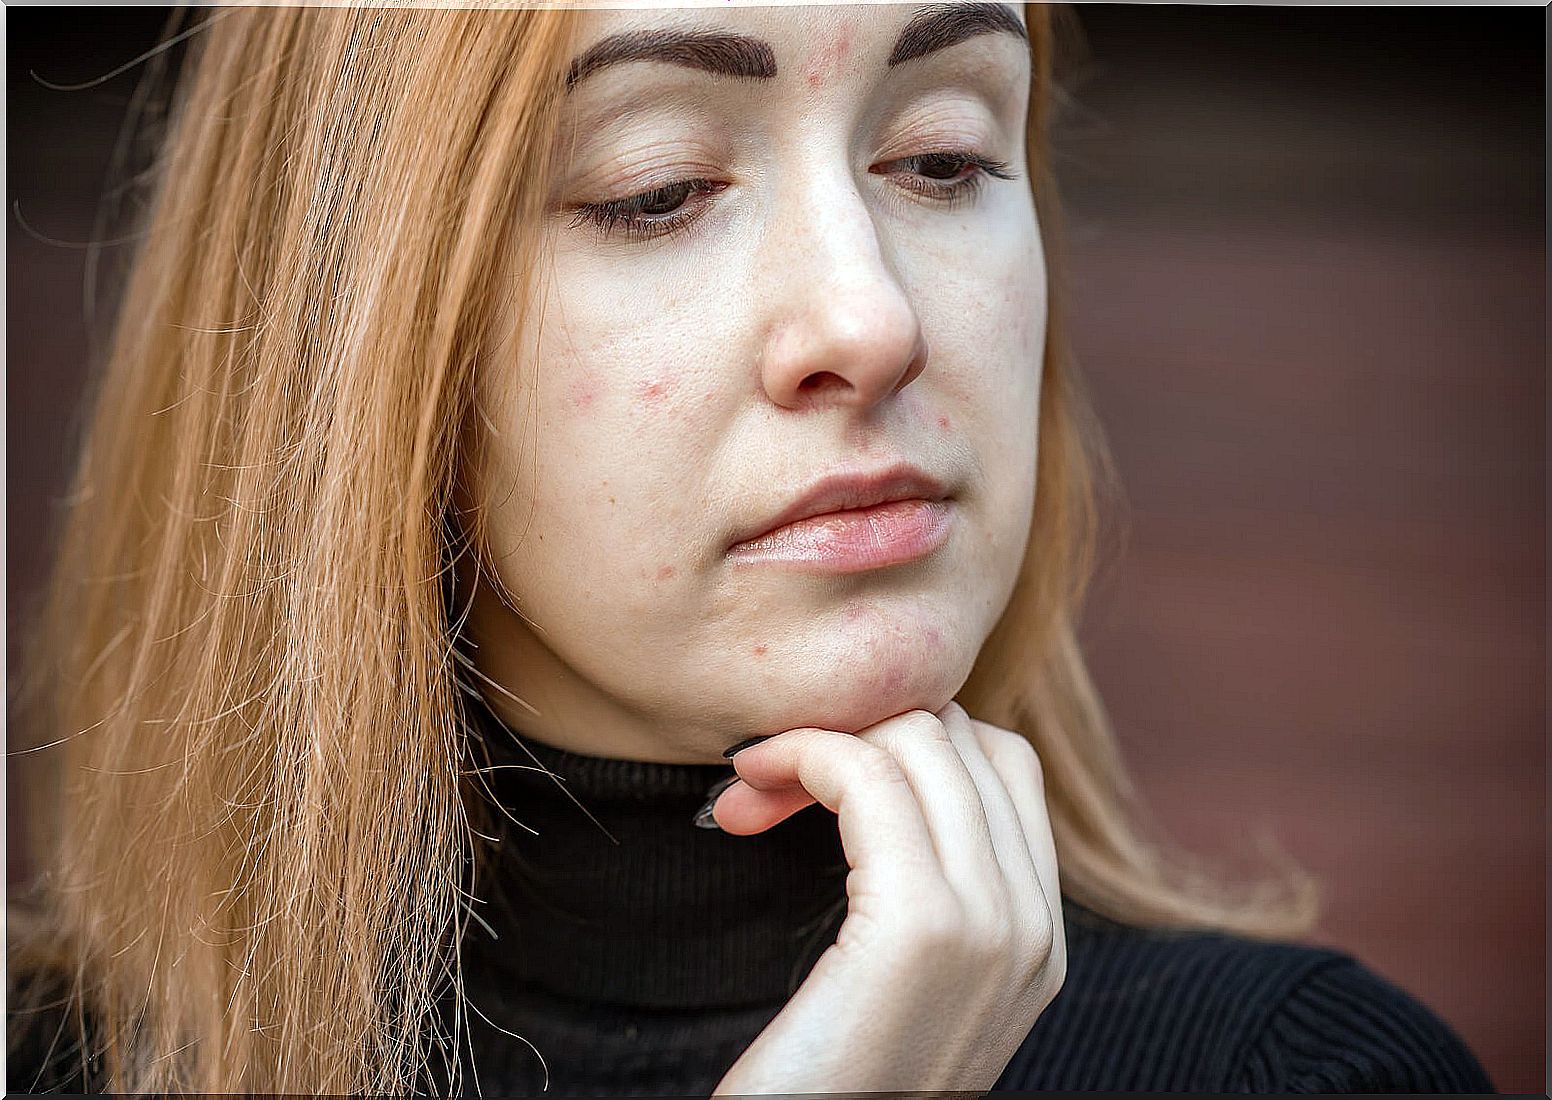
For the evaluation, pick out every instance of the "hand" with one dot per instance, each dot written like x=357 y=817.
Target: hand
x=953 y=942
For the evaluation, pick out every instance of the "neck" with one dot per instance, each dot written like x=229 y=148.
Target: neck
x=603 y=890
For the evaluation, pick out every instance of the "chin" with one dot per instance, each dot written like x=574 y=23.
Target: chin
x=870 y=662
x=858 y=695
x=853 y=716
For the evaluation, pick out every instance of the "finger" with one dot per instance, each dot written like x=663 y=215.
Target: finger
x=1018 y=764
x=1009 y=843
x=743 y=810
x=950 y=803
x=883 y=832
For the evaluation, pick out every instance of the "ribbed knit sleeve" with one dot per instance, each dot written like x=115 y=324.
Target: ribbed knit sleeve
x=1346 y=1029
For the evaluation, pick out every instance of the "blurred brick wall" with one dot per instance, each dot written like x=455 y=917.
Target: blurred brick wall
x=1308 y=280
x=1308 y=267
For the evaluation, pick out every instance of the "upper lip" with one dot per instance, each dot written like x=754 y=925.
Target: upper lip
x=845 y=490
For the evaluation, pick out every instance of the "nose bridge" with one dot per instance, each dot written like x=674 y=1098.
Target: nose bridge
x=839 y=315
x=842 y=254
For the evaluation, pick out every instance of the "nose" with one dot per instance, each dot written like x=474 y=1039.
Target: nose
x=841 y=329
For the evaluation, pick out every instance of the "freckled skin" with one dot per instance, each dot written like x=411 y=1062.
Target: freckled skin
x=818 y=316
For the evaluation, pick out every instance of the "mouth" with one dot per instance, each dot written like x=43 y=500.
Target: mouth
x=854 y=521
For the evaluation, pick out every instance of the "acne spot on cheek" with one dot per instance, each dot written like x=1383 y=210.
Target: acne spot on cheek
x=933 y=636
x=666 y=573
x=943 y=424
x=583 y=391
x=651 y=392
x=760 y=650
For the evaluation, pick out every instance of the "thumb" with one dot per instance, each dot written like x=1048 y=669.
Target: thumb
x=743 y=810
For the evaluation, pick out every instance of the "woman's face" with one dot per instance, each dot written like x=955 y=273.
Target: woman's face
x=824 y=262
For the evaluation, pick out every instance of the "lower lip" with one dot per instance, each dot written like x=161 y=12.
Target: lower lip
x=855 y=540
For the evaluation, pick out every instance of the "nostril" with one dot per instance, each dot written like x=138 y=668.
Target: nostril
x=820 y=380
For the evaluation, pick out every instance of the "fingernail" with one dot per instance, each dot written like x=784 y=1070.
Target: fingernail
x=703 y=817
x=728 y=752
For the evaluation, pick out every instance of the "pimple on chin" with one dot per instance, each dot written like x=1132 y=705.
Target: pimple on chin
x=943 y=424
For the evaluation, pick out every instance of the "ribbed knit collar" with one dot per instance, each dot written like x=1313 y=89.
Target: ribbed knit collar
x=620 y=899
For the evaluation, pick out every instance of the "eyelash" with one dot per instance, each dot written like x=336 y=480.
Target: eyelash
x=626 y=213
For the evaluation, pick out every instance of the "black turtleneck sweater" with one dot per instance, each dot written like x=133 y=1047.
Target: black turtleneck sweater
x=630 y=953
x=640 y=955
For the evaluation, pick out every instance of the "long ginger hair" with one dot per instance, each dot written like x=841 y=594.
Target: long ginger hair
x=244 y=708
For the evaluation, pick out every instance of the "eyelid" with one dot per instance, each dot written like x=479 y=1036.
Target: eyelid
x=644 y=160
x=626 y=210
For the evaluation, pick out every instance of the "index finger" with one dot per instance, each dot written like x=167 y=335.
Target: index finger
x=882 y=827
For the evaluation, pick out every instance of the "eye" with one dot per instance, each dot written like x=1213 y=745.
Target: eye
x=940 y=175
x=654 y=213
x=669 y=209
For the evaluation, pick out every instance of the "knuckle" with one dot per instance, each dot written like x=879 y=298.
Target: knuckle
x=1035 y=944
x=924 y=724
x=1032 y=959
x=1020 y=753
x=954 y=713
x=877 y=766
x=908 y=733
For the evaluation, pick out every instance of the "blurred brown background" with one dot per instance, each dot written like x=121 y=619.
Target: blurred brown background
x=1307 y=259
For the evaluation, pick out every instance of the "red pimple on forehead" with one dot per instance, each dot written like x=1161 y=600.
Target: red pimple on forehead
x=828 y=59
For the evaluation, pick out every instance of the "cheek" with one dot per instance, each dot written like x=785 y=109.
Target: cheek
x=616 y=437
x=583 y=390
x=994 y=345
x=1018 y=308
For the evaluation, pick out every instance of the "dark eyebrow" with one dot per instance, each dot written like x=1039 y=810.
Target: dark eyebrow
x=942 y=25
x=933 y=28
x=726 y=54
